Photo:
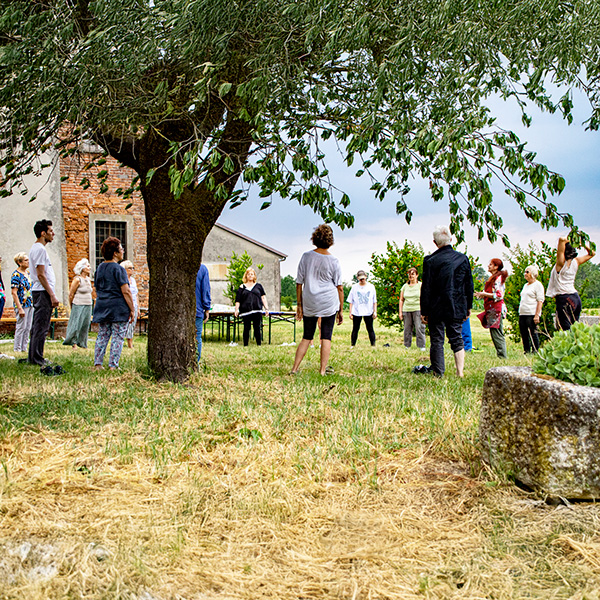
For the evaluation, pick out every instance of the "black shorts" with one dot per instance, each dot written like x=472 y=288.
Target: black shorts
x=310 y=325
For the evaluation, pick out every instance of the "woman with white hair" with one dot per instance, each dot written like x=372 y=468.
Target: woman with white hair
x=530 y=309
x=80 y=299
x=128 y=266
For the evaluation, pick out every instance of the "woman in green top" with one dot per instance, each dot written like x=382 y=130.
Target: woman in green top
x=410 y=310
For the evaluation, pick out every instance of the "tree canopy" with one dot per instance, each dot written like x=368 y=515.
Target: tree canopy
x=203 y=98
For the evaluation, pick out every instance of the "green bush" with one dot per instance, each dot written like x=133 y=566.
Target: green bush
x=288 y=287
x=572 y=355
x=288 y=302
x=388 y=275
x=235 y=273
x=520 y=259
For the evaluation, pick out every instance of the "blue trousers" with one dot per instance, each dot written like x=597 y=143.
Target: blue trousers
x=466 y=335
x=199 y=323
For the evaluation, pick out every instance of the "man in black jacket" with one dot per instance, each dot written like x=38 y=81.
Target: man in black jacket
x=446 y=300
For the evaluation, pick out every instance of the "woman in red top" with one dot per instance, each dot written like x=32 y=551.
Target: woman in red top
x=493 y=305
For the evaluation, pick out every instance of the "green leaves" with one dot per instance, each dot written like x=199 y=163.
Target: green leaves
x=401 y=86
x=572 y=356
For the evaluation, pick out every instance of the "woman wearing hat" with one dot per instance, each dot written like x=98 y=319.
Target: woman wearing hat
x=80 y=299
x=363 y=305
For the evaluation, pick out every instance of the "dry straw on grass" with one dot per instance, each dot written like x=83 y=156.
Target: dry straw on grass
x=271 y=487
x=221 y=526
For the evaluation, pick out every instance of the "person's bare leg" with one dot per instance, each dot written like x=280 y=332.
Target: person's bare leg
x=300 y=352
x=130 y=342
x=459 y=361
x=325 y=351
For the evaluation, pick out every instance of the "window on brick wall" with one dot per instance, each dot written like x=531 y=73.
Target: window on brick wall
x=106 y=229
x=103 y=226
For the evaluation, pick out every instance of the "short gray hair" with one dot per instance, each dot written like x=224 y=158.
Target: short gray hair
x=127 y=264
x=442 y=236
x=81 y=265
x=533 y=270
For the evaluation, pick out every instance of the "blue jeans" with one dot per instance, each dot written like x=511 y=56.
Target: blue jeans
x=466 y=335
x=199 y=323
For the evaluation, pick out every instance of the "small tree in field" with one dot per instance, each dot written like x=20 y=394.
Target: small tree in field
x=388 y=275
x=235 y=273
x=288 y=286
x=519 y=259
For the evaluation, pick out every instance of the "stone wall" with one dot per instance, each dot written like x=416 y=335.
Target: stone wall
x=544 y=431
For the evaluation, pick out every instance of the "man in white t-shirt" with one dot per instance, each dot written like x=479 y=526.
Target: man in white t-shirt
x=42 y=290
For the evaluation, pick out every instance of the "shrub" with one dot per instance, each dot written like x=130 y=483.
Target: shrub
x=519 y=259
x=388 y=275
x=288 y=302
x=572 y=355
x=288 y=286
x=235 y=272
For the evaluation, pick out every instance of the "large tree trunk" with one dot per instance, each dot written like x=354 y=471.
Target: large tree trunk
x=176 y=231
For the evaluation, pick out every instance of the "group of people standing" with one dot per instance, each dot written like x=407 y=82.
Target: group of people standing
x=443 y=300
x=33 y=286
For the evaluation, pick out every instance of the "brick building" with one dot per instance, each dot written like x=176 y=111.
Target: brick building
x=83 y=217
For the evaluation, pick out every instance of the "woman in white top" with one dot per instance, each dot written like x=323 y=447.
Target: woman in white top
x=128 y=266
x=319 y=293
x=363 y=305
x=80 y=299
x=562 y=283
x=530 y=309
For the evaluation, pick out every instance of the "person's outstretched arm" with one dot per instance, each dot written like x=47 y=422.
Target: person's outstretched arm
x=560 y=253
x=590 y=254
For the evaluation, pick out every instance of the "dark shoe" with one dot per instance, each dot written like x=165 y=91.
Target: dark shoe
x=47 y=370
x=424 y=369
x=58 y=370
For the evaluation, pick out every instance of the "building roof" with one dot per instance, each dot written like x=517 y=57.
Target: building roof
x=249 y=239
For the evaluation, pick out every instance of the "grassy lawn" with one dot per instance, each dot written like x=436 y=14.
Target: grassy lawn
x=250 y=483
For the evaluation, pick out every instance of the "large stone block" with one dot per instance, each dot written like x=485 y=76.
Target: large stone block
x=545 y=431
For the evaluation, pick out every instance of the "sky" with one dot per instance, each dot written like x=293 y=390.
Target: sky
x=569 y=150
